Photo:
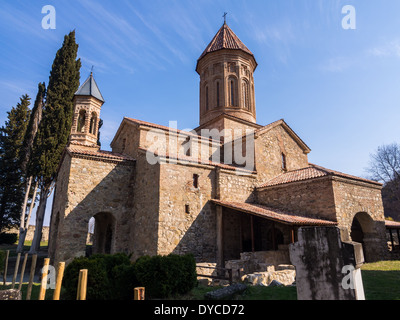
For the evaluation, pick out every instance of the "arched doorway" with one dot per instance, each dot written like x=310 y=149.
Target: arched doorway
x=361 y=227
x=103 y=233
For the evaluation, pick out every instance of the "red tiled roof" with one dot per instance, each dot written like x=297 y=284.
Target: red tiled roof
x=392 y=224
x=99 y=154
x=311 y=172
x=225 y=39
x=274 y=214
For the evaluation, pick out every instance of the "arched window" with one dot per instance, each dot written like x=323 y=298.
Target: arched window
x=93 y=122
x=207 y=100
x=218 y=95
x=284 y=165
x=81 y=121
x=245 y=95
x=232 y=92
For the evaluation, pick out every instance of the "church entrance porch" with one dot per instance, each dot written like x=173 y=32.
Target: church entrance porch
x=254 y=237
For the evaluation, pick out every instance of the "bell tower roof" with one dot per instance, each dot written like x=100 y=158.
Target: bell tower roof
x=90 y=88
x=225 y=39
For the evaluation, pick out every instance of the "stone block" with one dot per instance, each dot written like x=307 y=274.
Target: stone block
x=10 y=295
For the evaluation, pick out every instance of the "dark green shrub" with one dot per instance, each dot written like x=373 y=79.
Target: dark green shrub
x=124 y=281
x=8 y=238
x=110 y=277
x=165 y=276
x=97 y=284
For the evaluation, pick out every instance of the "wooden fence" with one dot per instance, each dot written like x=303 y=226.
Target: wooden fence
x=139 y=293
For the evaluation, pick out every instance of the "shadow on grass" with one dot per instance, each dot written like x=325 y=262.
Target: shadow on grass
x=381 y=285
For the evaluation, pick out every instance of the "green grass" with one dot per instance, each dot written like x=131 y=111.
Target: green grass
x=251 y=293
x=35 y=291
x=381 y=280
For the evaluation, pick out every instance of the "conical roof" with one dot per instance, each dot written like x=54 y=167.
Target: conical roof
x=225 y=39
x=90 y=88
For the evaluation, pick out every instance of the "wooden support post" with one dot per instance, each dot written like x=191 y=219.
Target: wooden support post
x=252 y=232
x=398 y=237
x=16 y=270
x=139 y=293
x=5 y=267
x=31 y=276
x=43 y=284
x=241 y=232
x=220 y=243
x=391 y=239
x=292 y=235
x=82 y=284
x=274 y=237
x=60 y=274
x=21 y=280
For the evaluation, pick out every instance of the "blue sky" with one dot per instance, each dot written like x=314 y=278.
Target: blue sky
x=338 y=89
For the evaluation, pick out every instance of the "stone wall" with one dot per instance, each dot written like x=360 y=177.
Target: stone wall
x=86 y=187
x=312 y=197
x=235 y=187
x=269 y=147
x=31 y=231
x=145 y=195
x=361 y=202
x=187 y=221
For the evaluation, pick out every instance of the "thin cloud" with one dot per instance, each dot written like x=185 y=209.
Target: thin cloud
x=390 y=49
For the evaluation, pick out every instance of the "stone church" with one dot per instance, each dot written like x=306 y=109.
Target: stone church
x=188 y=203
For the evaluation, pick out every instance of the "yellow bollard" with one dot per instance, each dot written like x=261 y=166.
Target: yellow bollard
x=82 y=284
x=139 y=293
x=60 y=274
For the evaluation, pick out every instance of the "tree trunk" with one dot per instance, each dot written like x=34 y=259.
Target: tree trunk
x=22 y=225
x=39 y=220
x=22 y=234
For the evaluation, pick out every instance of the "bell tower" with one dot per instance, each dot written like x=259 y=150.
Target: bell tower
x=226 y=70
x=87 y=106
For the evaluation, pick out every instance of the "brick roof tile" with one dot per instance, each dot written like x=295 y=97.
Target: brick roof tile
x=225 y=39
x=311 y=172
x=100 y=154
x=274 y=214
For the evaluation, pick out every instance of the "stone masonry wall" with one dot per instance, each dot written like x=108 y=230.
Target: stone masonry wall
x=363 y=202
x=312 y=197
x=93 y=187
x=269 y=147
x=186 y=221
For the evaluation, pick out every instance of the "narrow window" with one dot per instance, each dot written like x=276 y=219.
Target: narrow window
x=81 y=121
x=245 y=96
x=207 y=104
x=196 y=181
x=218 y=94
x=284 y=167
x=232 y=93
x=93 y=121
x=187 y=209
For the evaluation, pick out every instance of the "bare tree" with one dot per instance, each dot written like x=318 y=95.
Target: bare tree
x=385 y=167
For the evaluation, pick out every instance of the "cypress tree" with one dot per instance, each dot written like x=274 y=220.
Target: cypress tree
x=55 y=127
x=11 y=159
x=33 y=126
